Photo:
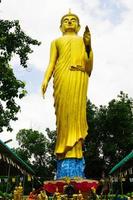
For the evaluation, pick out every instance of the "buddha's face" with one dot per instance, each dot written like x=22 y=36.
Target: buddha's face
x=70 y=24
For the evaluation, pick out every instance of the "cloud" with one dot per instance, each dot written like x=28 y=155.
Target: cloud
x=36 y=113
x=113 y=50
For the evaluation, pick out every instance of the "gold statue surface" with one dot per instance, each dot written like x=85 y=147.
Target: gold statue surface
x=71 y=65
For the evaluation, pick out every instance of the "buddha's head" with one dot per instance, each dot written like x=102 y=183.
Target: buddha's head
x=70 y=23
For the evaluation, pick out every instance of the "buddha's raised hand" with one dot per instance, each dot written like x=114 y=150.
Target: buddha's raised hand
x=87 y=37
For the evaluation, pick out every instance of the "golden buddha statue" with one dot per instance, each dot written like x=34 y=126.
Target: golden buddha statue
x=42 y=196
x=57 y=195
x=15 y=193
x=80 y=196
x=71 y=61
x=20 y=191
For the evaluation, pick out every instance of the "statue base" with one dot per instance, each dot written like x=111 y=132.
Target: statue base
x=83 y=185
x=70 y=167
x=66 y=190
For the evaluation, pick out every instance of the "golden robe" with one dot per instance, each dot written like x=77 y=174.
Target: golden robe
x=70 y=95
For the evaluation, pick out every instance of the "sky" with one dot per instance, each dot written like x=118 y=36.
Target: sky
x=111 y=26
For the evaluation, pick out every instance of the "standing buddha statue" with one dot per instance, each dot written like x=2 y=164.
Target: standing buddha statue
x=71 y=62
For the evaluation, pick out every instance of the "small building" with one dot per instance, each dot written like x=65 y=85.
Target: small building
x=12 y=168
x=122 y=175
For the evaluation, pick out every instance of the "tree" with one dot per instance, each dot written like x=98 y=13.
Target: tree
x=117 y=132
x=12 y=41
x=93 y=162
x=51 y=146
x=110 y=136
x=37 y=150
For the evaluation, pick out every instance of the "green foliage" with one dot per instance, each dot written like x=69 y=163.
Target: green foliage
x=10 y=89
x=114 y=197
x=37 y=150
x=6 y=196
x=12 y=41
x=117 y=138
x=51 y=146
x=110 y=135
x=94 y=163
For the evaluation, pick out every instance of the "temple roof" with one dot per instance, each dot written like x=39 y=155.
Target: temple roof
x=9 y=158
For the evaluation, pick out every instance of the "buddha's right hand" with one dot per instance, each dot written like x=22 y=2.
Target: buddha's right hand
x=44 y=87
